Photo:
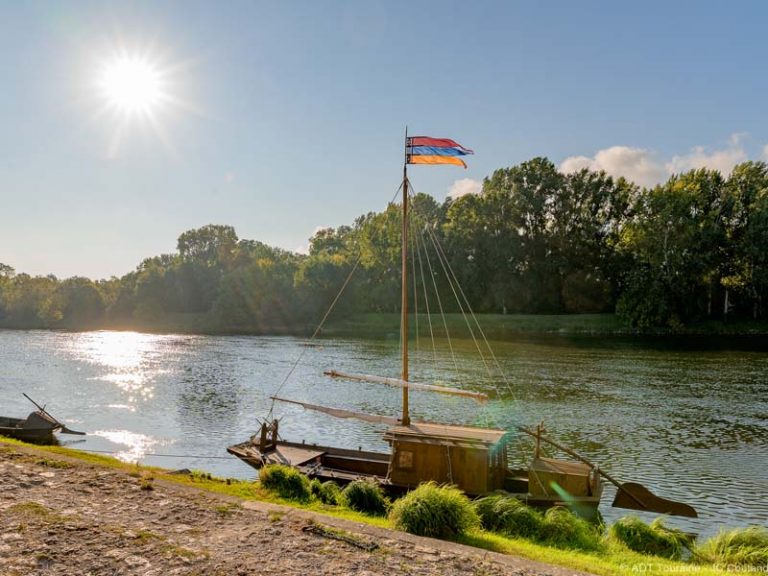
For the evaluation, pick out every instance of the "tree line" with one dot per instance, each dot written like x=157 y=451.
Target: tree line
x=533 y=241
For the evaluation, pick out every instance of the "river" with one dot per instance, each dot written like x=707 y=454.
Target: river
x=687 y=418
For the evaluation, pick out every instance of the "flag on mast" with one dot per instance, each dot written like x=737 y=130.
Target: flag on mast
x=428 y=150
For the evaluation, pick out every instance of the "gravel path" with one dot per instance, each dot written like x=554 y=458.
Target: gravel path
x=65 y=517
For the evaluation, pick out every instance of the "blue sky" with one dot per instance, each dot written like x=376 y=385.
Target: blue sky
x=290 y=115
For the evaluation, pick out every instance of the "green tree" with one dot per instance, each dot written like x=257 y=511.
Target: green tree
x=211 y=245
x=676 y=241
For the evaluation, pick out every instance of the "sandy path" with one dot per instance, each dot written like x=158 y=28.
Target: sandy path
x=62 y=516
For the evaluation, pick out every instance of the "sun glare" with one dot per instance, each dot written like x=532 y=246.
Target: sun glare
x=131 y=85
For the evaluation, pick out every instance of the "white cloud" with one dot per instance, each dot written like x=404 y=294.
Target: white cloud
x=463 y=187
x=635 y=164
x=646 y=169
x=229 y=177
x=722 y=160
x=765 y=152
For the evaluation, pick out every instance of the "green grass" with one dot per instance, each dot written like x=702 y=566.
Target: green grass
x=327 y=492
x=739 y=547
x=563 y=529
x=507 y=515
x=434 y=511
x=366 y=497
x=613 y=559
x=655 y=538
x=286 y=482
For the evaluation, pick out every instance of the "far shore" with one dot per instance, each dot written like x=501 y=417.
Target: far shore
x=498 y=327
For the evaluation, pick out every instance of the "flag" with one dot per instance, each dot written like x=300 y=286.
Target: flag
x=427 y=150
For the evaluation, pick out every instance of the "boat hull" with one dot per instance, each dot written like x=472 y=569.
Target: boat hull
x=343 y=466
x=35 y=431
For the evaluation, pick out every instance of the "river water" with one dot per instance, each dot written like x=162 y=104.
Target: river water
x=689 y=419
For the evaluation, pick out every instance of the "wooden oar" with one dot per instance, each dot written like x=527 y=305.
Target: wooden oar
x=630 y=495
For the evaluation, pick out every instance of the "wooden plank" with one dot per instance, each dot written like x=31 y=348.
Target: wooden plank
x=297 y=456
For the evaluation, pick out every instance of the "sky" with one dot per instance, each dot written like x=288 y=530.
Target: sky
x=279 y=118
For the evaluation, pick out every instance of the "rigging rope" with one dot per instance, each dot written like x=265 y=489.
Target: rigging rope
x=320 y=325
x=461 y=308
x=415 y=291
x=440 y=306
x=474 y=317
x=426 y=297
x=452 y=278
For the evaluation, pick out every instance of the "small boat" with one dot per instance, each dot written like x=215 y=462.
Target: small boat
x=476 y=460
x=37 y=428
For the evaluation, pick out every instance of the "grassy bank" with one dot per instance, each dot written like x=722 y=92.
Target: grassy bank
x=612 y=559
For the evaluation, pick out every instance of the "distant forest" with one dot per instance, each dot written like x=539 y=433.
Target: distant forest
x=533 y=241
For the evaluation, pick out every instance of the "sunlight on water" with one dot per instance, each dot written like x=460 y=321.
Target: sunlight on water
x=137 y=444
x=126 y=355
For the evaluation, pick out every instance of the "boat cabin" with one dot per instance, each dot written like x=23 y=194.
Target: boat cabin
x=473 y=459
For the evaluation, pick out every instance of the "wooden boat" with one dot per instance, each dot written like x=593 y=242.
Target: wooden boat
x=476 y=460
x=38 y=427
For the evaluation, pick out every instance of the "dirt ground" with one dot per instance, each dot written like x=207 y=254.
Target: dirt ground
x=65 y=517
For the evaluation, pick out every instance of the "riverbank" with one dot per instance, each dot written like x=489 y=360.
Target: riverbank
x=65 y=516
x=383 y=325
x=66 y=512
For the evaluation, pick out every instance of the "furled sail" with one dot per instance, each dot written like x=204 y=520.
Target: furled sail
x=402 y=384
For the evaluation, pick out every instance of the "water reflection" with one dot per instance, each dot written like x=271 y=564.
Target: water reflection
x=137 y=445
x=126 y=359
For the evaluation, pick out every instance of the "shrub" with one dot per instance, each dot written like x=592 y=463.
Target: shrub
x=435 y=511
x=365 y=497
x=563 y=529
x=745 y=546
x=287 y=482
x=507 y=515
x=654 y=538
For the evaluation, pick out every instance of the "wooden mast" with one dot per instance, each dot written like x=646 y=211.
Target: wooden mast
x=406 y=419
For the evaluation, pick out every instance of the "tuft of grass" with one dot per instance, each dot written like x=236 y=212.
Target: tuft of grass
x=508 y=515
x=737 y=547
x=655 y=538
x=330 y=493
x=145 y=536
x=58 y=464
x=563 y=529
x=435 y=511
x=366 y=497
x=182 y=552
x=227 y=509
x=33 y=510
x=274 y=516
x=286 y=482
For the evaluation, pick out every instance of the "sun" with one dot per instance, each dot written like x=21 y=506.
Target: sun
x=132 y=85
